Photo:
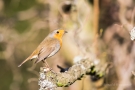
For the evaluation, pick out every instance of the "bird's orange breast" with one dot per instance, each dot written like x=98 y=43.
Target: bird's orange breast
x=58 y=37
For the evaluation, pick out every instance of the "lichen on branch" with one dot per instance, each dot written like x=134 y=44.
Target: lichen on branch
x=49 y=80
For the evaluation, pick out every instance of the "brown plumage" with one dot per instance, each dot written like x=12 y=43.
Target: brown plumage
x=48 y=47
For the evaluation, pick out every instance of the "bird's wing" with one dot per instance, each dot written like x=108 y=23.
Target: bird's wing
x=44 y=53
x=46 y=47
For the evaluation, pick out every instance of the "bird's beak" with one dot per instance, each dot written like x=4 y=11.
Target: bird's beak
x=66 y=32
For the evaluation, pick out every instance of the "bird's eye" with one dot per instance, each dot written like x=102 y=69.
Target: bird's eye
x=57 y=31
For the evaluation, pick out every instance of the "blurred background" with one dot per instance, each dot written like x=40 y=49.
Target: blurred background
x=97 y=29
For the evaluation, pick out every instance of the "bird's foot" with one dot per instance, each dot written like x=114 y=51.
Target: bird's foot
x=46 y=69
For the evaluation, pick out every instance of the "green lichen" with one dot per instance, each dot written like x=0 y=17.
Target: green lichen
x=59 y=84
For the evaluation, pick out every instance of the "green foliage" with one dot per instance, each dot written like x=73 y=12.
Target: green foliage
x=6 y=75
x=21 y=26
x=14 y=6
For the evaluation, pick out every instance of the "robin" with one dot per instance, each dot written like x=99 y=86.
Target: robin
x=48 y=47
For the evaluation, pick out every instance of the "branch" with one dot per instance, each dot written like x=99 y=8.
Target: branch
x=49 y=80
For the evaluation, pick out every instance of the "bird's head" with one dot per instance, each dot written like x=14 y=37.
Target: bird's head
x=58 y=33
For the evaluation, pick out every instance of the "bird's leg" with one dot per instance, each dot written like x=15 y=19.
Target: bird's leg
x=46 y=64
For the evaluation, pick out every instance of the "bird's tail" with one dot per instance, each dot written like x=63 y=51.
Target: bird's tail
x=31 y=57
x=23 y=62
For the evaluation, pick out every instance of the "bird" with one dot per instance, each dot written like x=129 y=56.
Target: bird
x=48 y=47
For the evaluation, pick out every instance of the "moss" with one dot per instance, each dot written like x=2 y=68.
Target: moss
x=59 y=84
x=101 y=75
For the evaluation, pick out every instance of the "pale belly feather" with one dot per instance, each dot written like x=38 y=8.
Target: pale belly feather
x=57 y=48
